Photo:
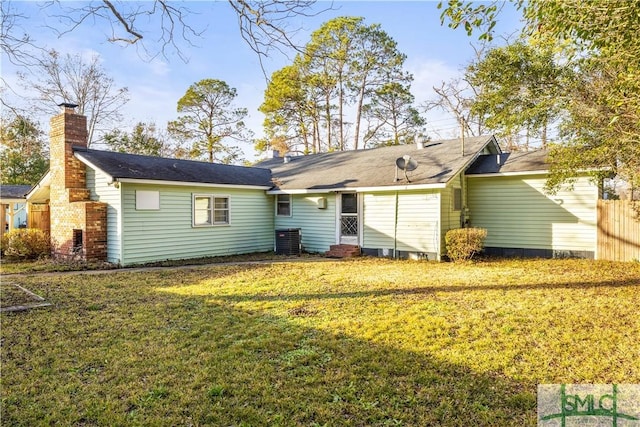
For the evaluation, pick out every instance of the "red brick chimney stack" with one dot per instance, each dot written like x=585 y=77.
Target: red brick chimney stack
x=68 y=129
x=78 y=225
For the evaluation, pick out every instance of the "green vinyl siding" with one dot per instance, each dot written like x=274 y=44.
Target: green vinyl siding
x=418 y=221
x=518 y=214
x=102 y=191
x=168 y=233
x=317 y=226
x=450 y=217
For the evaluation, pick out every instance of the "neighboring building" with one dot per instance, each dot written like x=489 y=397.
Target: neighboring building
x=131 y=209
x=13 y=207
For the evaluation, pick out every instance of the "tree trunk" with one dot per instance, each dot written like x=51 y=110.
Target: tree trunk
x=327 y=112
x=359 y=114
x=396 y=136
x=316 y=136
x=341 y=112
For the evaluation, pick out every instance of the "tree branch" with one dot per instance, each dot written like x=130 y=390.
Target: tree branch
x=125 y=24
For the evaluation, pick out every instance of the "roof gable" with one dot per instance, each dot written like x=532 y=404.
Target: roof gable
x=506 y=163
x=438 y=162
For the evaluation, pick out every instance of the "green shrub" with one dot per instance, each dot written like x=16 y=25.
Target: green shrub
x=464 y=243
x=26 y=243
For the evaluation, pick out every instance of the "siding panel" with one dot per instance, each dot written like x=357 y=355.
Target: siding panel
x=101 y=191
x=518 y=214
x=317 y=225
x=418 y=226
x=450 y=217
x=167 y=233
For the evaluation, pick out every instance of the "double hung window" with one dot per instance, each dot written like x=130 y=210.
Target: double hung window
x=209 y=210
x=283 y=205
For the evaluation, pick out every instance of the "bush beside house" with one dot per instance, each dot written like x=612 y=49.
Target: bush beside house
x=26 y=243
x=464 y=243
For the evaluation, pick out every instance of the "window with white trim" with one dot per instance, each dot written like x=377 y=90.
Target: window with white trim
x=210 y=210
x=283 y=204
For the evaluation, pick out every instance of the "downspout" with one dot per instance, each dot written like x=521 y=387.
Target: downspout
x=395 y=230
x=119 y=219
x=463 y=210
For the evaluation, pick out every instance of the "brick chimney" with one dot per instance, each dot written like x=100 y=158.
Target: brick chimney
x=78 y=225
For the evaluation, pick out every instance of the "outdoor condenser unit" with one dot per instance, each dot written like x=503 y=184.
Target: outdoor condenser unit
x=288 y=241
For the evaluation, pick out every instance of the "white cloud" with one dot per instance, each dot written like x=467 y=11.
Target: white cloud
x=428 y=73
x=158 y=67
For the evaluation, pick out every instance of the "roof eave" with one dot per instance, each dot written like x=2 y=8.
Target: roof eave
x=515 y=173
x=190 y=184
x=44 y=182
x=579 y=172
x=13 y=200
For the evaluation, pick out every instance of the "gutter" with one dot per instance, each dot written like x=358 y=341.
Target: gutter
x=519 y=173
x=360 y=189
x=188 y=184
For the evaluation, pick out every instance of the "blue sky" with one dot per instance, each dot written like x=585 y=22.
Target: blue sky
x=434 y=52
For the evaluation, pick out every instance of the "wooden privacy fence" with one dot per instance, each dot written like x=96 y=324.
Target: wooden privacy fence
x=38 y=217
x=618 y=231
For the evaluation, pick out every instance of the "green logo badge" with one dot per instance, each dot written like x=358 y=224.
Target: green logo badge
x=565 y=405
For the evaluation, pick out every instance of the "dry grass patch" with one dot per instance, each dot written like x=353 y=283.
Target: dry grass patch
x=48 y=265
x=14 y=297
x=364 y=342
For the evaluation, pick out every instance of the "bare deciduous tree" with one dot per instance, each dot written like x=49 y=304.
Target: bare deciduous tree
x=16 y=44
x=69 y=78
x=132 y=23
x=160 y=27
x=266 y=24
x=455 y=97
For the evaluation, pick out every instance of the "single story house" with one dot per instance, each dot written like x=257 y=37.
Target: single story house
x=388 y=201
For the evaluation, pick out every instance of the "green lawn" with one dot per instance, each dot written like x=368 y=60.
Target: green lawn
x=363 y=342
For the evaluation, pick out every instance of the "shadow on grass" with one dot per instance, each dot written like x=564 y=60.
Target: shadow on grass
x=286 y=374
x=157 y=358
x=428 y=290
x=175 y=348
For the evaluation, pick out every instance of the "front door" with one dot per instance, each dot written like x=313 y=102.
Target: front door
x=348 y=221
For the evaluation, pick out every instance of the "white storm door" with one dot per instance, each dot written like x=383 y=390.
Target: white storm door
x=348 y=219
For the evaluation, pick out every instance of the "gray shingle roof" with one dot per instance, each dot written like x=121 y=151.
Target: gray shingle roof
x=133 y=166
x=523 y=161
x=438 y=162
x=14 y=191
